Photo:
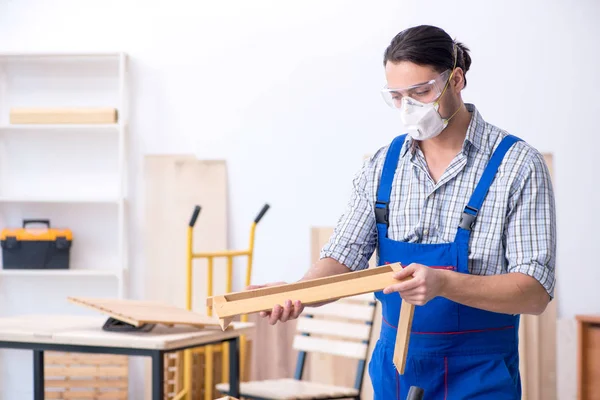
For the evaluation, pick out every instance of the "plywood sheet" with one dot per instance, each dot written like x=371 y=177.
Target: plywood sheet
x=138 y=313
x=173 y=185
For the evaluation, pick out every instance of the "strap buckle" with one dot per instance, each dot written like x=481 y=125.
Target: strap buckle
x=467 y=221
x=382 y=212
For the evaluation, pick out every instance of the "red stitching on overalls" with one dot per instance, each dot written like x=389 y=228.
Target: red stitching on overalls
x=452 y=333
x=446 y=377
x=461 y=332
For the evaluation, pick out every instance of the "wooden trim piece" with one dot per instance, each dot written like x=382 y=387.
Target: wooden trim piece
x=360 y=331
x=308 y=292
x=328 y=346
x=407 y=311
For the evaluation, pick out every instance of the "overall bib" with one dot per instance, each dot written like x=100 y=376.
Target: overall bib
x=455 y=351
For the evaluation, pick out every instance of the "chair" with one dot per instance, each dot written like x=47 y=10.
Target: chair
x=342 y=328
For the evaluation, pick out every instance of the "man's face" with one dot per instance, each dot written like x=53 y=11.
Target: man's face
x=422 y=83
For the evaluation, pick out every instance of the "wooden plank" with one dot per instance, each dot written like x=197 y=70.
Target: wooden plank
x=101 y=115
x=328 y=346
x=407 y=312
x=309 y=292
x=334 y=328
x=138 y=313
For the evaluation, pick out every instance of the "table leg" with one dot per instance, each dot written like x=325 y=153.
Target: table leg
x=234 y=367
x=158 y=378
x=38 y=375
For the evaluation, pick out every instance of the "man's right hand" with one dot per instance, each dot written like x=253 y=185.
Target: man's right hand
x=288 y=311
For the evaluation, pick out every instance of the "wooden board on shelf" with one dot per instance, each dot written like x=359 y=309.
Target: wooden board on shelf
x=103 y=115
x=89 y=376
x=138 y=313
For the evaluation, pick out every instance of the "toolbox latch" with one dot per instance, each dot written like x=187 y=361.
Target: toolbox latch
x=62 y=243
x=10 y=242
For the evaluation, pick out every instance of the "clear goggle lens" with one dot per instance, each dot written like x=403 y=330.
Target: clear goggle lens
x=427 y=92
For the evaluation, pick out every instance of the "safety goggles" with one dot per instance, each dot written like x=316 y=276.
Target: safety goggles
x=427 y=92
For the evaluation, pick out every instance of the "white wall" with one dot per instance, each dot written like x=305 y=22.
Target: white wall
x=288 y=92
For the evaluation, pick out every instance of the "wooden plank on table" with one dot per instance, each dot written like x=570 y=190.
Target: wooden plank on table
x=99 y=115
x=138 y=313
x=173 y=185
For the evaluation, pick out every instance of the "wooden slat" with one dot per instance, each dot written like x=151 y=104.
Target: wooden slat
x=86 y=395
x=329 y=346
x=361 y=298
x=309 y=292
x=83 y=359
x=353 y=312
x=98 y=371
x=120 y=383
x=334 y=328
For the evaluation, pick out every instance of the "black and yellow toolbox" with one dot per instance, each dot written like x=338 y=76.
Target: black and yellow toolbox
x=36 y=248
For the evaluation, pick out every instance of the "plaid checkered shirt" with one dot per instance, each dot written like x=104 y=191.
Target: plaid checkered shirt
x=516 y=226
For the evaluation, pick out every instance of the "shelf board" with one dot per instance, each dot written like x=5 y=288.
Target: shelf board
x=15 y=55
x=47 y=199
x=62 y=127
x=59 y=272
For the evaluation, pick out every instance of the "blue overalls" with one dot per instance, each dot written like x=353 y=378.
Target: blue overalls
x=455 y=352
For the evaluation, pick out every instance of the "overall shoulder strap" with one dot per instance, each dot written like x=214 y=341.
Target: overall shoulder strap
x=384 y=189
x=470 y=213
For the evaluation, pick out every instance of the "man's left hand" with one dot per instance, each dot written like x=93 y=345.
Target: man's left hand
x=426 y=283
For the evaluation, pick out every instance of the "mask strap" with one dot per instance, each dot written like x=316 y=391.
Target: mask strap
x=450 y=77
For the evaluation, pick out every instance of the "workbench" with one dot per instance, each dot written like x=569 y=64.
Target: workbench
x=82 y=334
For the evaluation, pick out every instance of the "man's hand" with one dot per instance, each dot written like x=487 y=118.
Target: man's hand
x=290 y=310
x=426 y=283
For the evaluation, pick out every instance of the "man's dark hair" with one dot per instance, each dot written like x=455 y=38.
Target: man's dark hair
x=427 y=45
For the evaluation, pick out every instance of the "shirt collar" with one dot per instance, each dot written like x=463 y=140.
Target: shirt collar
x=475 y=136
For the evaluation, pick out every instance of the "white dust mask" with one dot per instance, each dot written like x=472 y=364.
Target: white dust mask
x=422 y=121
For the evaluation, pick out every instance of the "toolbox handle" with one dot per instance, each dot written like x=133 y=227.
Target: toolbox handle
x=261 y=213
x=36 y=221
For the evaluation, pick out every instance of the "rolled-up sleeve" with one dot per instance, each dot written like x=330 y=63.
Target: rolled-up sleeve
x=530 y=232
x=354 y=238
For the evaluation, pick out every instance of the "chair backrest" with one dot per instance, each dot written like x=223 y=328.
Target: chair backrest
x=342 y=328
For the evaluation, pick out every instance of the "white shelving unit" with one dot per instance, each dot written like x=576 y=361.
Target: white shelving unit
x=75 y=175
